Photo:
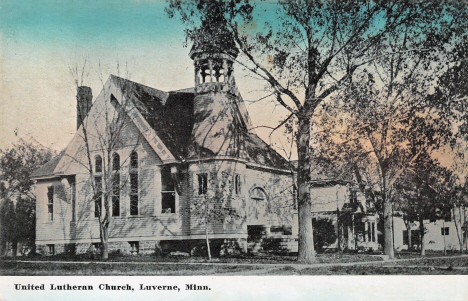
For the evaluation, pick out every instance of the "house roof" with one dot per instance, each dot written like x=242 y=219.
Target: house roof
x=171 y=116
x=47 y=170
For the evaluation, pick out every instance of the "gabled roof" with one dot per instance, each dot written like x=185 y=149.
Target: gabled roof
x=47 y=170
x=171 y=116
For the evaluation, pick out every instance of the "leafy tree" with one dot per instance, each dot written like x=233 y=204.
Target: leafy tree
x=425 y=193
x=452 y=88
x=311 y=49
x=324 y=233
x=379 y=125
x=451 y=97
x=18 y=201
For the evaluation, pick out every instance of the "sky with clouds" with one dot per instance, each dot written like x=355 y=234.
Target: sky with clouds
x=41 y=39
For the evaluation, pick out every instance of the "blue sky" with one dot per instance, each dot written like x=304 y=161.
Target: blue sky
x=87 y=22
x=40 y=39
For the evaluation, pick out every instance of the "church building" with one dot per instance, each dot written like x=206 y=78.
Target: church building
x=175 y=166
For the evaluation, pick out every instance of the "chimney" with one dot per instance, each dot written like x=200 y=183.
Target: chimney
x=84 y=101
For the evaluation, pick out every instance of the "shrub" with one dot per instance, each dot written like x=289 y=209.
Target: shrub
x=324 y=233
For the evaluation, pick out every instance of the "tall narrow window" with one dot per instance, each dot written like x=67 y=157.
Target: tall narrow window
x=116 y=194
x=237 y=184
x=295 y=196
x=134 y=183
x=98 y=186
x=98 y=196
x=115 y=162
x=370 y=232
x=167 y=190
x=115 y=185
x=73 y=197
x=50 y=203
x=405 y=237
x=202 y=183
x=98 y=164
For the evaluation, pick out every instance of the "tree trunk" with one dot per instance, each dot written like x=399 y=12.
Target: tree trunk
x=388 y=229
x=207 y=243
x=105 y=244
x=306 y=252
x=458 y=222
x=445 y=244
x=3 y=247
x=422 y=235
x=410 y=242
x=14 y=248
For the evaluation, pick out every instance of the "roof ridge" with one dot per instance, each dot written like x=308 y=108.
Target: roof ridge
x=136 y=83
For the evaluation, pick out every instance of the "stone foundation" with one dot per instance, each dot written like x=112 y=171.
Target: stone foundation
x=219 y=247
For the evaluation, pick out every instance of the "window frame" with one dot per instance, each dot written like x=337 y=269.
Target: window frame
x=295 y=196
x=51 y=249
x=237 y=184
x=98 y=207
x=202 y=185
x=134 y=247
x=73 y=198
x=98 y=182
x=445 y=231
x=50 y=203
x=260 y=199
x=173 y=192
x=96 y=165
x=115 y=186
x=134 y=191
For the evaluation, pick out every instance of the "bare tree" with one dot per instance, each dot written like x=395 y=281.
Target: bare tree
x=103 y=132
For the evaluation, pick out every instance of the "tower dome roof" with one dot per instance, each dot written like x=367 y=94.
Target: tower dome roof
x=213 y=37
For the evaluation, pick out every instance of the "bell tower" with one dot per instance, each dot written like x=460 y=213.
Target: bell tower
x=213 y=55
x=218 y=124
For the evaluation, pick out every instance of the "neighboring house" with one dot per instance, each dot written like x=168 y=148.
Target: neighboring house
x=439 y=235
x=355 y=223
x=174 y=147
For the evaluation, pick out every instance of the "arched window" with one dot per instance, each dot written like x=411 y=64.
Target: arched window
x=259 y=202
x=98 y=185
x=257 y=194
x=115 y=185
x=98 y=164
x=237 y=184
x=115 y=162
x=294 y=196
x=134 y=160
x=134 y=183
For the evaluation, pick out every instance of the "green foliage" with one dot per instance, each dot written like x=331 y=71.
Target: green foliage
x=324 y=233
x=18 y=202
x=308 y=51
x=427 y=191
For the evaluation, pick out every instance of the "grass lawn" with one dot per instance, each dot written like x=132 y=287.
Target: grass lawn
x=254 y=259
x=366 y=270
x=257 y=265
x=128 y=269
